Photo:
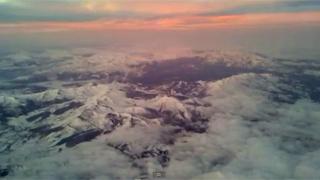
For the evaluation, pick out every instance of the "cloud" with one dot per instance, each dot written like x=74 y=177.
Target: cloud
x=56 y=16
x=89 y=10
x=250 y=135
x=257 y=7
x=169 y=23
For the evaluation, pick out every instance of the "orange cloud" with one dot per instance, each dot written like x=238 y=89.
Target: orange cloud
x=171 y=23
x=163 y=7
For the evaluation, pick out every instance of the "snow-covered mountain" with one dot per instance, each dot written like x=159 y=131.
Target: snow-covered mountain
x=93 y=114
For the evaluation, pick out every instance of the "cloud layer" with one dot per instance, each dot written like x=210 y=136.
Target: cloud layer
x=90 y=114
x=142 y=14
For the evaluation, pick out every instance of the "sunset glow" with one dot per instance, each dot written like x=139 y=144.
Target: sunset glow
x=158 y=15
x=172 y=23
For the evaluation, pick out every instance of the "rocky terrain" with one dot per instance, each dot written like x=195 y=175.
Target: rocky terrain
x=93 y=114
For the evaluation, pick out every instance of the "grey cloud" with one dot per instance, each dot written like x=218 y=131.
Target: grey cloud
x=42 y=11
x=270 y=7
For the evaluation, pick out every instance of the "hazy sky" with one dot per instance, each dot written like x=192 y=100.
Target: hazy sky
x=55 y=15
x=255 y=24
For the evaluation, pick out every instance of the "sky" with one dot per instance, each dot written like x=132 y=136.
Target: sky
x=58 y=15
x=49 y=20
